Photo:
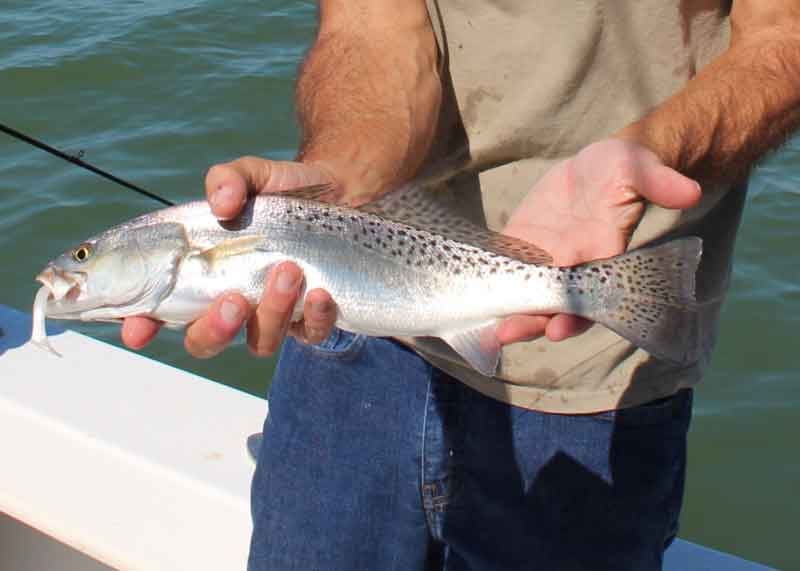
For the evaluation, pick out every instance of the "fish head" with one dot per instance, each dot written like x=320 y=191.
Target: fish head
x=124 y=271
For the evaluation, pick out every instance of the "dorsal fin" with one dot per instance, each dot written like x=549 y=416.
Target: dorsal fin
x=433 y=210
x=314 y=192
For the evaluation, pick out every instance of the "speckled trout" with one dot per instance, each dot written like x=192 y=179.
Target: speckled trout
x=402 y=266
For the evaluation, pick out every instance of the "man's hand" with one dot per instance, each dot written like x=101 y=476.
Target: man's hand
x=587 y=208
x=227 y=188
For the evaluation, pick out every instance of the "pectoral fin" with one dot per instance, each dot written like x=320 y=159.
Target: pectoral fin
x=231 y=247
x=478 y=346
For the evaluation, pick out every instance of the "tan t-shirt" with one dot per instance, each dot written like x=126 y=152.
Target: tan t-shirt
x=533 y=82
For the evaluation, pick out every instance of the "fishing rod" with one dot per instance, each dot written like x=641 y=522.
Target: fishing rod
x=77 y=160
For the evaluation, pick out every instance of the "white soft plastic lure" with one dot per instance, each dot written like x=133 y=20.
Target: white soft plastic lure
x=39 y=330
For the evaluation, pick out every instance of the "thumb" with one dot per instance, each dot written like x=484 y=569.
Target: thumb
x=668 y=188
x=229 y=184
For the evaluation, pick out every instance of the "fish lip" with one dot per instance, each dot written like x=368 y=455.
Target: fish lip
x=62 y=283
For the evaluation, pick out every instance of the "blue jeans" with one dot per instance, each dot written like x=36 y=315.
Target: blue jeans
x=374 y=460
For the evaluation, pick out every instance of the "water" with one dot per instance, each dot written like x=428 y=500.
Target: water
x=155 y=92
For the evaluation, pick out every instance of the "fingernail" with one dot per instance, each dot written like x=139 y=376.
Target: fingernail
x=320 y=306
x=285 y=282
x=225 y=196
x=230 y=312
x=628 y=194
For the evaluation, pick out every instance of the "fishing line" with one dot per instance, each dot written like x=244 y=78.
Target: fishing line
x=77 y=160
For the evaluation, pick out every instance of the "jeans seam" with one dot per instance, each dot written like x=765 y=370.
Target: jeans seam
x=423 y=476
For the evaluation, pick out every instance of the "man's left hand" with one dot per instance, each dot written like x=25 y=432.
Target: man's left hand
x=586 y=208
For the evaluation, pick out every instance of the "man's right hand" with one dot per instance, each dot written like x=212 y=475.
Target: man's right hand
x=227 y=188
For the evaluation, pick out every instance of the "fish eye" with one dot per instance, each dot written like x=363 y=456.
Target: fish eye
x=82 y=253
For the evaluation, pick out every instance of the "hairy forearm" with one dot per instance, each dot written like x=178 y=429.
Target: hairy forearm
x=737 y=108
x=368 y=99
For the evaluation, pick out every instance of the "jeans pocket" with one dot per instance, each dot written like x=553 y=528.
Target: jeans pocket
x=654 y=412
x=339 y=345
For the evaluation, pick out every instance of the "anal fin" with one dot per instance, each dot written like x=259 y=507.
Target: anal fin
x=478 y=346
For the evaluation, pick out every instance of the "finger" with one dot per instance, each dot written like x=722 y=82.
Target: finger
x=521 y=328
x=210 y=334
x=667 y=187
x=228 y=184
x=268 y=325
x=138 y=331
x=319 y=316
x=563 y=326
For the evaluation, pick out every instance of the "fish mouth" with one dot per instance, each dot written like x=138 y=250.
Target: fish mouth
x=63 y=284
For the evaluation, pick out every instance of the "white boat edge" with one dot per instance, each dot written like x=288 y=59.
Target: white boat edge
x=128 y=463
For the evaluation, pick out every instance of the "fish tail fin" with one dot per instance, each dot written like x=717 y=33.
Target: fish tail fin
x=655 y=293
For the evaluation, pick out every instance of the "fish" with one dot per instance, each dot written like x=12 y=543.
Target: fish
x=403 y=266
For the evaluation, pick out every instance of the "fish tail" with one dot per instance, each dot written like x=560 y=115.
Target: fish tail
x=654 y=290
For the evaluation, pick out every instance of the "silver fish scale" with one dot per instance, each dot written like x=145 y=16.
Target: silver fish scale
x=430 y=270
x=399 y=243
x=388 y=277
